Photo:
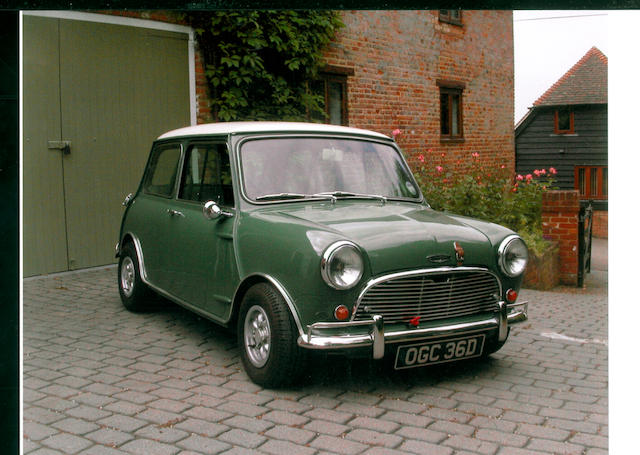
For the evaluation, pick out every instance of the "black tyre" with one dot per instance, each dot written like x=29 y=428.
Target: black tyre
x=135 y=295
x=267 y=338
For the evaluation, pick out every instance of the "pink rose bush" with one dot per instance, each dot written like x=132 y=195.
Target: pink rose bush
x=487 y=190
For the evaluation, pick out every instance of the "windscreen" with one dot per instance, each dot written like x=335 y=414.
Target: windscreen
x=315 y=165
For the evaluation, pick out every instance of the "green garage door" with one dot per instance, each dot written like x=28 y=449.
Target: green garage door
x=107 y=91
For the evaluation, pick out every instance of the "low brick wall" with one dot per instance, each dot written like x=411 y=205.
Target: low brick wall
x=560 y=216
x=542 y=271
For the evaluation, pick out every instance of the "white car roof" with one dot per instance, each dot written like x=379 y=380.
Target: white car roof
x=265 y=127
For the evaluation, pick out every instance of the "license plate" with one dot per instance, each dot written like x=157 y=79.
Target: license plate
x=418 y=355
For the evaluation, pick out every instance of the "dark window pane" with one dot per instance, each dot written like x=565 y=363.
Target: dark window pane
x=207 y=175
x=445 y=129
x=162 y=171
x=564 y=120
x=593 y=182
x=335 y=103
x=317 y=87
x=455 y=115
x=582 y=187
x=605 y=182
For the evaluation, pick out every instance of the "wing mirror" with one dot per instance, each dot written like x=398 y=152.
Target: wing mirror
x=212 y=211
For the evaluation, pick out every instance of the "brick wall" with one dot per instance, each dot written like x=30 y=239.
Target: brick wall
x=600 y=226
x=397 y=57
x=560 y=216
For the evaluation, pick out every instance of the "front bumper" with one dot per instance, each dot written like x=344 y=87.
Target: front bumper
x=319 y=335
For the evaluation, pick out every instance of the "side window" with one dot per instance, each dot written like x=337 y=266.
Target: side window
x=207 y=175
x=161 y=174
x=451 y=108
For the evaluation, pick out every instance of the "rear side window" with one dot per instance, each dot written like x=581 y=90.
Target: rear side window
x=162 y=171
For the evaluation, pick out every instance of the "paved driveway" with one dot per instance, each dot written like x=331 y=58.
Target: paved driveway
x=99 y=380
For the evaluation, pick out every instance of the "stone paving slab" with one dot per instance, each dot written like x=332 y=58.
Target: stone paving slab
x=100 y=380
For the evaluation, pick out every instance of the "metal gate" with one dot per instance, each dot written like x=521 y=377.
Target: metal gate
x=584 y=241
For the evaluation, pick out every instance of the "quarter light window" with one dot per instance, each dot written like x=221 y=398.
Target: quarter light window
x=163 y=167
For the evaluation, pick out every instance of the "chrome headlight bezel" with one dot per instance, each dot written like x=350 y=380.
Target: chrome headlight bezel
x=339 y=251
x=513 y=256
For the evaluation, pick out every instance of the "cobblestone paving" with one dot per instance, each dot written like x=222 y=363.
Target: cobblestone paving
x=99 y=380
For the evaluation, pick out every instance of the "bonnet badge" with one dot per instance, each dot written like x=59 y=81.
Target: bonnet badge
x=459 y=253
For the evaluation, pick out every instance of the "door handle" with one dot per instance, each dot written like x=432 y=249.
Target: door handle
x=65 y=146
x=172 y=212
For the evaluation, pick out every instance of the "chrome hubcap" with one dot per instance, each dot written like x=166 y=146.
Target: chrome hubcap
x=127 y=276
x=257 y=336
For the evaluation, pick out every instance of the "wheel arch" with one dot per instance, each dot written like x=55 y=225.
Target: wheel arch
x=129 y=237
x=257 y=278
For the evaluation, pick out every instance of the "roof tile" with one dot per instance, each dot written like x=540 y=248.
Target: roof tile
x=584 y=83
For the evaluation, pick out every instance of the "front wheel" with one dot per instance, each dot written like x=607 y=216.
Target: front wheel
x=267 y=337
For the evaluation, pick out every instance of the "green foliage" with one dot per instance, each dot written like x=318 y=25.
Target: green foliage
x=492 y=193
x=259 y=63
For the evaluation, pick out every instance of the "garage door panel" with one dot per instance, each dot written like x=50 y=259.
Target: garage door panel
x=121 y=88
x=44 y=232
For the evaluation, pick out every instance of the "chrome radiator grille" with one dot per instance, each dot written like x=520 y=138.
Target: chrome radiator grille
x=430 y=295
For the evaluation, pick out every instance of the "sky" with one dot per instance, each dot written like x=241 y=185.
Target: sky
x=547 y=44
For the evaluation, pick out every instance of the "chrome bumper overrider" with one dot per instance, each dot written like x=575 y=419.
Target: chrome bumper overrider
x=319 y=336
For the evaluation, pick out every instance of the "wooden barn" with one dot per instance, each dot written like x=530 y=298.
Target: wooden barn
x=566 y=128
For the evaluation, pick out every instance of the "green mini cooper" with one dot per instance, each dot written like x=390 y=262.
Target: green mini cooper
x=314 y=237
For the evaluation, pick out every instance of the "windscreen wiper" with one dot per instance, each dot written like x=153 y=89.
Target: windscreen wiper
x=277 y=196
x=348 y=194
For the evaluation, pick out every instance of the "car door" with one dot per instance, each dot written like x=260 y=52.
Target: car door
x=149 y=218
x=200 y=257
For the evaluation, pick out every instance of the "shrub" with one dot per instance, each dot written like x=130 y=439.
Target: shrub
x=260 y=64
x=493 y=193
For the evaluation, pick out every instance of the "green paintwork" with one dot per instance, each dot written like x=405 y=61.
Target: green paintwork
x=204 y=262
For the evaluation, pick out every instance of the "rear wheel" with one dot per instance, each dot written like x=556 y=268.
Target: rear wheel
x=135 y=295
x=267 y=337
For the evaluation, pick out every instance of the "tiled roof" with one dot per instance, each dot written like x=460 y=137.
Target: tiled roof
x=584 y=83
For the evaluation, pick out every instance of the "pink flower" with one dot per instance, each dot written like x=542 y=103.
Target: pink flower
x=502 y=166
x=439 y=169
x=475 y=154
x=519 y=177
x=537 y=173
x=552 y=171
x=528 y=177
x=442 y=155
x=421 y=158
x=396 y=132
x=543 y=172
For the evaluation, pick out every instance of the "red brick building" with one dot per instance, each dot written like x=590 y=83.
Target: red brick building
x=444 y=78
x=414 y=70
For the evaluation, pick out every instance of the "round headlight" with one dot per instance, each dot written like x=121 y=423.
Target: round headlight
x=342 y=265
x=513 y=256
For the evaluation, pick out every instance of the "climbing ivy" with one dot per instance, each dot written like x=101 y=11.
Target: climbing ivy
x=259 y=63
